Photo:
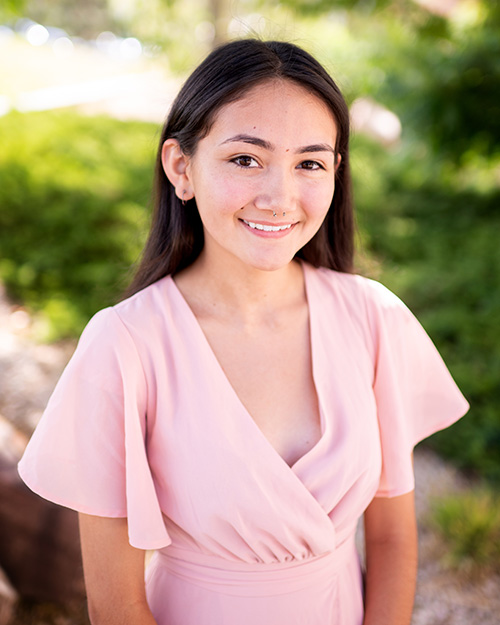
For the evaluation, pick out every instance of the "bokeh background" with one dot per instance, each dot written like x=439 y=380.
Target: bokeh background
x=84 y=87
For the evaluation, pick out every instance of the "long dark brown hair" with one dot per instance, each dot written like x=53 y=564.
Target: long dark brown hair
x=226 y=75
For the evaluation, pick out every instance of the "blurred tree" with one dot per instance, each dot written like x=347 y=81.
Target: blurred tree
x=450 y=90
x=11 y=8
x=219 y=13
x=83 y=19
x=429 y=208
x=318 y=7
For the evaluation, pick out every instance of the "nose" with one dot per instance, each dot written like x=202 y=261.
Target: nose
x=277 y=192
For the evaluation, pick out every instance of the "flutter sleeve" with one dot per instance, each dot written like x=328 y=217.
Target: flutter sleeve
x=415 y=393
x=89 y=452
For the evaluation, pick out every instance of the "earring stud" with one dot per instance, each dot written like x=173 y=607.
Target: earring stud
x=183 y=201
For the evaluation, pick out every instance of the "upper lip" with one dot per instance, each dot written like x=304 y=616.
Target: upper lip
x=268 y=223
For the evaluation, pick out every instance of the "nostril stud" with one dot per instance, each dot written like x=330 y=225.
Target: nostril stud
x=274 y=213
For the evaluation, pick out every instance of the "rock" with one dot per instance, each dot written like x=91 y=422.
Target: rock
x=8 y=599
x=39 y=541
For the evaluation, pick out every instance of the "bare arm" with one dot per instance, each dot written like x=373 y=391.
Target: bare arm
x=391 y=560
x=114 y=573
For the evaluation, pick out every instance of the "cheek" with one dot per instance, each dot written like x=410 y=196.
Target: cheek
x=223 y=193
x=318 y=199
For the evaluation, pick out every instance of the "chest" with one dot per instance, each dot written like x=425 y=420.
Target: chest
x=271 y=373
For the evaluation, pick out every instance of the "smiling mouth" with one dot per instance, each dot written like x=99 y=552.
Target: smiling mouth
x=265 y=227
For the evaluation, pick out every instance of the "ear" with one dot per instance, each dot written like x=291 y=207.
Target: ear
x=337 y=163
x=175 y=163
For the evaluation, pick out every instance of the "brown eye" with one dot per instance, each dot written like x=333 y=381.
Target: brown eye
x=244 y=161
x=311 y=165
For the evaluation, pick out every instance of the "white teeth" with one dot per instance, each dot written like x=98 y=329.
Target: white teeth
x=267 y=228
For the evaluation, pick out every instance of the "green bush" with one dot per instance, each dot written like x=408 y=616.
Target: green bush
x=73 y=194
x=429 y=207
x=73 y=218
x=469 y=524
x=436 y=240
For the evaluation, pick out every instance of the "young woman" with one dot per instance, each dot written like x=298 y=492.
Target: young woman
x=252 y=397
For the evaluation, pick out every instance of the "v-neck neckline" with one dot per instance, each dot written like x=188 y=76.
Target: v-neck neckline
x=222 y=374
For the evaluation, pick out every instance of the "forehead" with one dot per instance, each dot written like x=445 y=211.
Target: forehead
x=275 y=108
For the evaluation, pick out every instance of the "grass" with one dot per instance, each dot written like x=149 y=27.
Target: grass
x=469 y=524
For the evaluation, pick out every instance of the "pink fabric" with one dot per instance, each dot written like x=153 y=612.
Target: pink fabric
x=145 y=424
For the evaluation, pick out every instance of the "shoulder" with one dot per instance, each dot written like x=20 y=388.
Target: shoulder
x=361 y=303
x=146 y=303
x=129 y=328
x=138 y=313
x=356 y=289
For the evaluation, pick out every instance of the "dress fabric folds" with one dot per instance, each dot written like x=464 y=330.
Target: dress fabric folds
x=144 y=424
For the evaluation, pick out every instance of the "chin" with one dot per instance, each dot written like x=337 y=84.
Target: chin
x=271 y=264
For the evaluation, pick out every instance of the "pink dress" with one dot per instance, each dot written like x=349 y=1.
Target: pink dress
x=144 y=424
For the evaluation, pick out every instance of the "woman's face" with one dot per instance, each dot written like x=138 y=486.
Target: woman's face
x=263 y=177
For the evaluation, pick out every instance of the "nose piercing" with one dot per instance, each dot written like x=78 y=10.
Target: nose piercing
x=284 y=213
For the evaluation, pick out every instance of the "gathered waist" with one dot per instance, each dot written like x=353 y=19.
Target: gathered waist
x=254 y=578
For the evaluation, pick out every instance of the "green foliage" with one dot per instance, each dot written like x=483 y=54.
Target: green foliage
x=83 y=19
x=319 y=7
x=469 y=524
x=73 y=193
x=443 y=78
x=11 y=8
x=428 y=208
x=437 y=243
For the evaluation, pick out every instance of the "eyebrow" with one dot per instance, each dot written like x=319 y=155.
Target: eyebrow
x=316 y=147
x=262 y=143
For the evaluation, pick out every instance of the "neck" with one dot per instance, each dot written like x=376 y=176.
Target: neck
x=239 y=293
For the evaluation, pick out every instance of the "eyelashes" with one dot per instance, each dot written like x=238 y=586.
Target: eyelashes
x=244 y=161
x=314 y=165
